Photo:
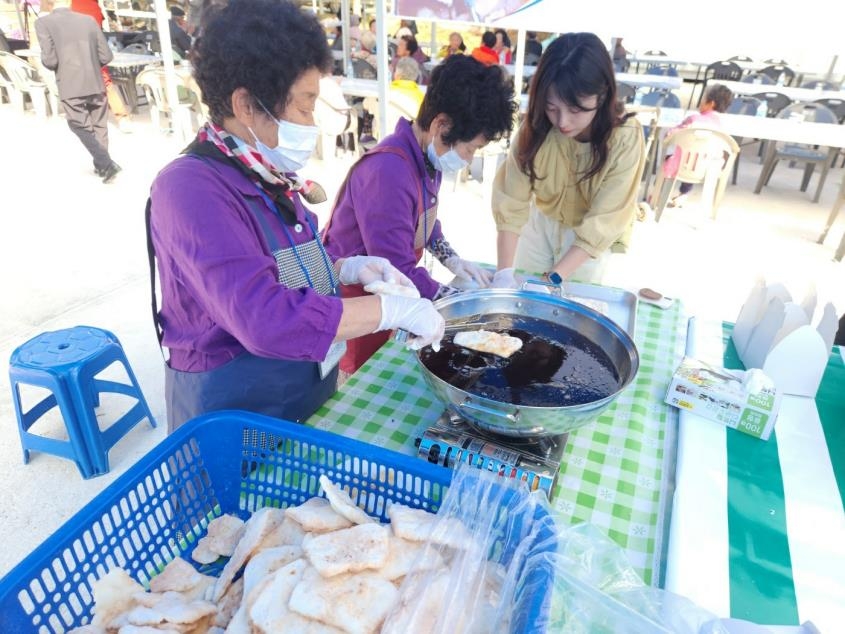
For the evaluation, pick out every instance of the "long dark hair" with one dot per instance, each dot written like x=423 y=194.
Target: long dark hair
x=574 y=66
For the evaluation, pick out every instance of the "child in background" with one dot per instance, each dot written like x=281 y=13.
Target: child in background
x=717 y=99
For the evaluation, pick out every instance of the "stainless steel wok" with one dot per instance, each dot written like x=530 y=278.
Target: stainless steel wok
x=528 y=421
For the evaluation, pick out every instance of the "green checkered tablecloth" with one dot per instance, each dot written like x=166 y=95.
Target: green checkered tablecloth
x=617 y=472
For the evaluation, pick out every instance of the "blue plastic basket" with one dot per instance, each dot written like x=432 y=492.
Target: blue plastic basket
x=226 y=462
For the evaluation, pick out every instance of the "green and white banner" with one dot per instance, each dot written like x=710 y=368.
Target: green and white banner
x=758 y=527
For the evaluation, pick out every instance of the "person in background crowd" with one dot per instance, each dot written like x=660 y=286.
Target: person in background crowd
x=367 y=50
x=250 y=309
x=532 y=46
x=388 y=204
x=373 y=26
x=502 y=46
x=485 y=53
x=194 y=17
x=116 y=104
x=354 y=31
x=402 y=31
x=179 y=39
x=716 y=100
x=455 y=46
x=406 y=27
x=568 y=188
x=620 y=57
x=405 y=85
x=337 y=42
x=407 y=47
x=75 y=48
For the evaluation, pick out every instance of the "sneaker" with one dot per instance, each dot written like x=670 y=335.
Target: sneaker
x=110 y=172
x=125 y=125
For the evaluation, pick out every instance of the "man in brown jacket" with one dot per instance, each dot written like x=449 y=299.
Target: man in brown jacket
x=75 y=48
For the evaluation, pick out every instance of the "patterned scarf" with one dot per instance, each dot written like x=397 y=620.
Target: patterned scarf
x=252 y=159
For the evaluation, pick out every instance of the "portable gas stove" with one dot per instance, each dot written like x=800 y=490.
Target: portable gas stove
x=533 y=460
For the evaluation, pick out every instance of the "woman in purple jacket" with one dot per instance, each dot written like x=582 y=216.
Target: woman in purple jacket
x=388 y=205
x=251 y=312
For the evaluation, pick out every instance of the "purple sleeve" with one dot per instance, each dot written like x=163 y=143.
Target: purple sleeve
x=206 y=234
x=386 y=192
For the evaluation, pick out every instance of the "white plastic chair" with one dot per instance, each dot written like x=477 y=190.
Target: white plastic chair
x=335 y=117
x=397 y=106
x=707 y=157
x=22 y=82
x=152 y=82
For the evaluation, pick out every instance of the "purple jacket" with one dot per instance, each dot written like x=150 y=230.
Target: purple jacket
x=219 y=285
x=377 y=209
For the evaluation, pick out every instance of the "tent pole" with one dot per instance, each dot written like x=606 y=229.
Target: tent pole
x=344 y=20
x=181 y=127
x=433 y=43
x=383 y=66
x=519 y=63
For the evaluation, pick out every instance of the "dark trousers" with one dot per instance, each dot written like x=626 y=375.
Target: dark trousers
x=87 y=118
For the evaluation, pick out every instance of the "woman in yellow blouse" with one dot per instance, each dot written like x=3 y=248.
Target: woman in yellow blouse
x=568 y=188
x=455 y=46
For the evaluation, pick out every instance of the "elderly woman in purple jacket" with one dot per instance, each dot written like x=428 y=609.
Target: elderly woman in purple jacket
x=387 y=206
x=251 y=312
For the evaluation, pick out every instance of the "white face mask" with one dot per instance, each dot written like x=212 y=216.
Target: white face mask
x=295 y=146
x=451 y=161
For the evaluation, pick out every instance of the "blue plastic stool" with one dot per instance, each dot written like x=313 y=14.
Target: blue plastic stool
x=66 y=362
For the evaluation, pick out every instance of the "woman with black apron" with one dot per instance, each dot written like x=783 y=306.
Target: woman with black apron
x=251 y=312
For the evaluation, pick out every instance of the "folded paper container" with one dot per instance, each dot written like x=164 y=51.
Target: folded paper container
x=226 y=462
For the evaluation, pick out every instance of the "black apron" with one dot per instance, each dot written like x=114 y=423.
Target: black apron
x=292 y=390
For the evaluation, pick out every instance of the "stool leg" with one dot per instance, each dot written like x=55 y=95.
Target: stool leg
x=73 y=449
x=99 y=441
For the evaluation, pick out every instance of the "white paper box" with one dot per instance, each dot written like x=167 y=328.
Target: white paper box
x=776 y=335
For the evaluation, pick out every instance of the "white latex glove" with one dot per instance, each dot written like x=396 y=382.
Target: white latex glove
x=469 y=271
x=365 y=269
x=417 y=316
x=504 y=278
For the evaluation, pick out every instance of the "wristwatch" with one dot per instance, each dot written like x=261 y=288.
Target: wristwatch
x=554 y=277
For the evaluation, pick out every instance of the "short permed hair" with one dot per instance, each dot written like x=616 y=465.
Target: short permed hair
x=478 y=99
x=407 y=68
x=261 y=45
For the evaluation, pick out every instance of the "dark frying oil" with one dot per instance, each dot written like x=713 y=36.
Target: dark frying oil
x=555 y=367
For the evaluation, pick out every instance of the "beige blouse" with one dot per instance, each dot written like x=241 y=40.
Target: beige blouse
x=599 y=209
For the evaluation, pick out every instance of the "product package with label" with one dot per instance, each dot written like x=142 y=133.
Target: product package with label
x=747 y=401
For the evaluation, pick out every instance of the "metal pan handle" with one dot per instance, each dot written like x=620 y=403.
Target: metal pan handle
x=477 y=407
x=557 y=290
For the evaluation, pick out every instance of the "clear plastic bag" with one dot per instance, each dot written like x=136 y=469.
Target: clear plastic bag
x=504 y=565
x=484 y=533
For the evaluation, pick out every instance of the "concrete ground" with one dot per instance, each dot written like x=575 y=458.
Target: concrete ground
x=73 y=251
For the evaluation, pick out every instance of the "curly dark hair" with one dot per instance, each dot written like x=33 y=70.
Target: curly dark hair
x=574 y=66
x=478 y=99
x=261 y=45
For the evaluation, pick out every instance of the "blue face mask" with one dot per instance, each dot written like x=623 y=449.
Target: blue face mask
x=295 y=145
x=451 y=161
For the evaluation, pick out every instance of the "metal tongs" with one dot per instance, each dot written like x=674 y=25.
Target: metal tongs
x=475 y=322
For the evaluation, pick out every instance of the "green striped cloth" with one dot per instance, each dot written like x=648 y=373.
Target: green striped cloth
x=616 y=472
x=758 y=528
